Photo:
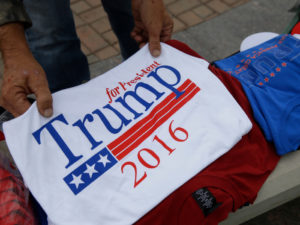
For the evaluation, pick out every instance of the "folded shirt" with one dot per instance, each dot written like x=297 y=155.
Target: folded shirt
x=229 y=183
x=269 y=73
x=119 y=144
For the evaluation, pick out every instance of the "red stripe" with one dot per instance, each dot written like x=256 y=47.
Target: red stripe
x=157 y=124
x=147 y=125
x=135 y=131
x=144 y=128
x=141 y=123
x=157 y=116
x=148 y=128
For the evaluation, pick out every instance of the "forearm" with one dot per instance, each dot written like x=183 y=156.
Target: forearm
x=12 y=41
x=22 y=73
x=13 y=21
x=13 y=11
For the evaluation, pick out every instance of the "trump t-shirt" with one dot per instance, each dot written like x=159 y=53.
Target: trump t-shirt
x=119 y=144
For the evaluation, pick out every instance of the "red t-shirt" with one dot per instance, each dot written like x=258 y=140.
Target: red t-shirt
x=227 y=184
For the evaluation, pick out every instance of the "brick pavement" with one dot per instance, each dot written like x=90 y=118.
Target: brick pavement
x=98 y=41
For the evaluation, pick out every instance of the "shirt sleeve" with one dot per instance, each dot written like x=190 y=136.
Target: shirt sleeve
x=13 y=11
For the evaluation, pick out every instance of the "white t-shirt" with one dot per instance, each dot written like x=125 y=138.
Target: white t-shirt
x=119 y=144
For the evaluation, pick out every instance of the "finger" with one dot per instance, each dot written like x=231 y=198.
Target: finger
x=142 y=44
x=154 y=43
x=138 y=38
x=39 y=86
x=44 y=101
x=21 y=105
x=134 y=33
x=166 y=34
x=165 y=38
x=18 y=98
x=137 y=34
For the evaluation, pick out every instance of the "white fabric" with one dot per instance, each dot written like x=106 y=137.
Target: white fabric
x=205 y=127
x=296 y=36
x=256 y=39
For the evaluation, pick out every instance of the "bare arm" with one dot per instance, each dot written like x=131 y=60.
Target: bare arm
x=22 y=73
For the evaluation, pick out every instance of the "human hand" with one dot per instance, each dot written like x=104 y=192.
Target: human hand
x=152 y=24
x=22 y=74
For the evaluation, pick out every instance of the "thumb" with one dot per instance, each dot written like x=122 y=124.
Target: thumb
x=43 y=96
x=154 y=43
x=44 y=102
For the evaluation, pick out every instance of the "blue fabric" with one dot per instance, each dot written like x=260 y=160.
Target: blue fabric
x=54 y=42
x=270 y=76
x=122 y=22
x=39 y=213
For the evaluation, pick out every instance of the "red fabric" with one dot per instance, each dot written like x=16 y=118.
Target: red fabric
x=296 y=29
x=234 y=179
x=2 y=136
x=14 y=209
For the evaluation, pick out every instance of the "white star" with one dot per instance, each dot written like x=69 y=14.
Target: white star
x=104 y=160
x=90 y=170
x=76 y=180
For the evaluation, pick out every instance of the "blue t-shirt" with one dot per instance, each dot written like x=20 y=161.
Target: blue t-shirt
x=270 y=76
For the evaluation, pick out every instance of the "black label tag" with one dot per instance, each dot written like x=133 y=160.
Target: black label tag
x=206 y=201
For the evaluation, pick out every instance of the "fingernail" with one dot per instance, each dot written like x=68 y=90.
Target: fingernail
x=48 y=112
x=156 y=53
